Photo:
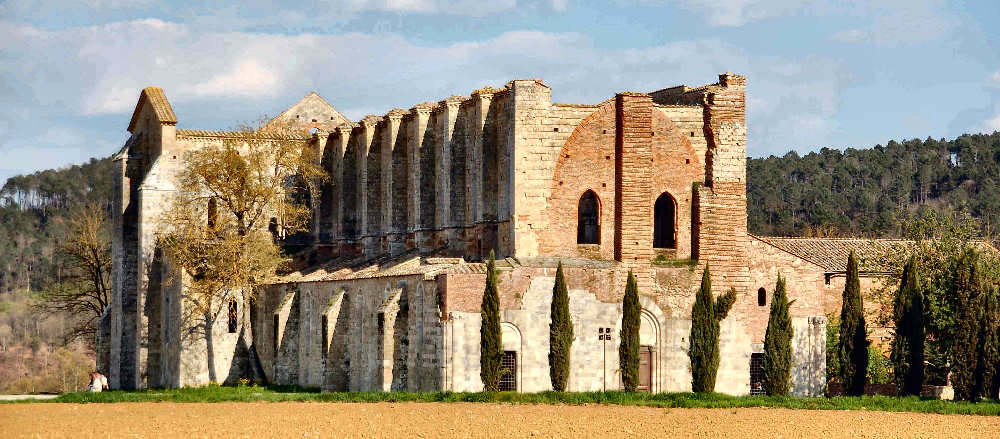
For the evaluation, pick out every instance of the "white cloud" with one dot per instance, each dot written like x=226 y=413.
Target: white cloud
x=740 y=12
x=994 y=80
x=248 y=77
x=216 y=79
x=559 y=5
x=900 y=24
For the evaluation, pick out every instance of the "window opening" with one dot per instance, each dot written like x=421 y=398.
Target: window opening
x=588 y=229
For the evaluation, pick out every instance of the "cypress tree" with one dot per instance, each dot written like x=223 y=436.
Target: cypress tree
x=853 y=348
x=628 y=350
x=704 y=349
x=560 y=333
x=965 y=291
x=907 y=354
x=778 y=343
x=490 y=348
x=989 y=345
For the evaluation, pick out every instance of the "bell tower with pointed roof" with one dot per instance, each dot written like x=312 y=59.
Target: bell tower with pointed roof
x=310 y=112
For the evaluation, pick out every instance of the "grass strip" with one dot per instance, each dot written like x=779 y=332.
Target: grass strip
x=664 y=400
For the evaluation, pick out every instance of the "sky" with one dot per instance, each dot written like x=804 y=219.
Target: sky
x=821 y=73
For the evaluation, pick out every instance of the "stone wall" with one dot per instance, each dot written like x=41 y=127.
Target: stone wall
x=431 y=178
x=594 y=362
x=380 y=334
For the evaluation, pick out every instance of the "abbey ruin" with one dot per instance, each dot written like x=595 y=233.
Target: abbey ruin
x=650 y=182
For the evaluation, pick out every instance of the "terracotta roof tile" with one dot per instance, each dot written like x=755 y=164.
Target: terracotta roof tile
x=161 y=106
x=831 y=253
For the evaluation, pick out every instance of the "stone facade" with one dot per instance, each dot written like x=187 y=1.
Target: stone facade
x=652 y=182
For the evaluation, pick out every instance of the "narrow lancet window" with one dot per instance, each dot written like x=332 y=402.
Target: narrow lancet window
x=588 y=229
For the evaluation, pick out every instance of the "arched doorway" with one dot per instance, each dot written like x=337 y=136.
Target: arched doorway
x=664 y=222
x=588 y=229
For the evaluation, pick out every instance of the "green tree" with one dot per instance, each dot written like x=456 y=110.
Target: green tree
x=704 y=349
x=908 y=345
x=988 y=366
x=628 y=350
x=490 y=348
x=965 y=288
x=560 y=333
x=853 y=349
x=778 y=343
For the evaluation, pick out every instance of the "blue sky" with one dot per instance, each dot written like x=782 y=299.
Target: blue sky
x=821 y=73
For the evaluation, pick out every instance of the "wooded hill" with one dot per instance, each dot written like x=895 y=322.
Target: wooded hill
x=33 y=213
x=866 y=192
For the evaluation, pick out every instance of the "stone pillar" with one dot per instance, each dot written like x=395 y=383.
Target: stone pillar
x=318 y=144
x=363 y=136
x=335 y=148
x=720 y=226
x=415 y=141
x=390 y=127
x=446 y=113
x=633 y=179
x=481 y=100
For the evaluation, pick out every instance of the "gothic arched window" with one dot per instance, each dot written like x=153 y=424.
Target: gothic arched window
x=588 y=229
x=664 y=222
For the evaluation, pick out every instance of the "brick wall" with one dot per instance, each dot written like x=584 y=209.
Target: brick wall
x=633 y=178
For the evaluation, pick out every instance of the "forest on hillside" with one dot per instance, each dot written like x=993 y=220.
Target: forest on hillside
x=869 y=192
x=35 y=216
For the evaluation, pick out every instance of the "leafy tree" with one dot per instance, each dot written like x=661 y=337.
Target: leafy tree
x=853 y=349
x=939 y=242
x=85 y=291
x=907 y=354
x=704 y=349
x=965 y=287
x=988 y=366
x=560 y=333
x=778 y=343
x=218 y=223
x=628 y=350
x=490 y=347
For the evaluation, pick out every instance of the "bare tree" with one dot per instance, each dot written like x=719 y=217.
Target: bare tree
x=218 y=222
x=86 y=291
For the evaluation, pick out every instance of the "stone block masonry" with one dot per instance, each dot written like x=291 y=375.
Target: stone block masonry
x=416 y=199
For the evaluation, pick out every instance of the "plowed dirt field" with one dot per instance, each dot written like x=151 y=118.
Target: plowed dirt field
x=469 y=420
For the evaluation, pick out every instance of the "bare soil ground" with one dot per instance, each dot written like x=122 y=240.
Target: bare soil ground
x=469 y=420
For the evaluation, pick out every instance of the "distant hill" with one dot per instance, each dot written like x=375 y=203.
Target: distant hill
x=33 y=210
x=863 y=192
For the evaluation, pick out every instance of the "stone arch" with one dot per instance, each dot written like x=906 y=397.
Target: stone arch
x=588 y=229
x=761 y=296
x=585 y=162
x=511 y=340
x=665 y=221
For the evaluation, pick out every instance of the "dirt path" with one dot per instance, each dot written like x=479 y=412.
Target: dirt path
x=430 y=420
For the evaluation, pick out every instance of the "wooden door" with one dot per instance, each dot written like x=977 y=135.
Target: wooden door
x=645 y=369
